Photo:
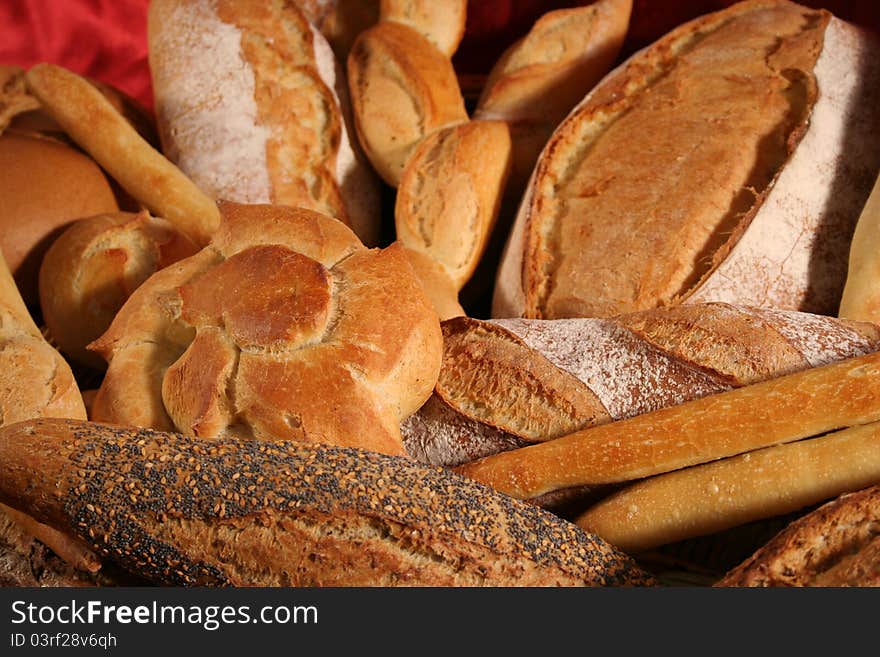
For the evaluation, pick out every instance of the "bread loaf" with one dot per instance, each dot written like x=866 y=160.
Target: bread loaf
x=45 y=186
x=450 y=194
x=508 y=383
x=284 y=327
x=139 y=168
x=441 y=23
x=726 y=162
x=251 y=104
x=734 y=491
x=860 y=299
x=93 y=267
x=238 y=512
x=541 y=77
x=341 y=21
x=402 y=89
x=834 y=546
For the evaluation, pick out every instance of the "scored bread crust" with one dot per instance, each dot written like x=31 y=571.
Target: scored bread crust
x=825 y=106
x=284 y=327
x=498 y=377
x=836 y=545
x=442 y=23
x=183 y=511
x=251 y=104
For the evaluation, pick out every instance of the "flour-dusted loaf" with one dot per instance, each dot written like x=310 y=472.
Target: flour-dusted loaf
x=251 y=104
x=284 y=327
x=728 y=161
x=836 y=545
x=184 y=511
x=508 y=383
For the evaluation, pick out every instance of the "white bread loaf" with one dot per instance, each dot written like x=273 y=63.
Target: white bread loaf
x=251 y=104
x=726 y=162
x=508 y=383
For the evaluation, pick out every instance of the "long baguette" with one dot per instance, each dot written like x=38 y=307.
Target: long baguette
x=186 y=511
x=716 y=496
x=788 y=408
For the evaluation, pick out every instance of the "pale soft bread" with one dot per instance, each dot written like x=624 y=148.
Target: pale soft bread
x=435 y=282
x=541 y=77
x=506 y=383
x=784 y=409
x=341 y=21
x=402 y=89
x=45 y=186
x=835 y=545
x=93 y=123
x=93 y=267
x=252 y=106
x=442 y=23
x=235 y=512
x=670 y=182
x=450 y=194
x=284 y=327
x=861 y=294
x=710 y=498
x=35 y=382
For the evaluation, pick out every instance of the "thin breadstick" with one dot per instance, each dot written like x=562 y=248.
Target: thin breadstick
x=716 y=496
x=808 y=403
x=93 y=123
x=861 y=294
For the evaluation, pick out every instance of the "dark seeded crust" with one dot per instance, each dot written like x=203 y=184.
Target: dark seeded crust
x=183 y=511
x=838 y=544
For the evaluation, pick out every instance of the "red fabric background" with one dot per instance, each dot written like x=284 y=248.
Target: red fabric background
x=106 y=39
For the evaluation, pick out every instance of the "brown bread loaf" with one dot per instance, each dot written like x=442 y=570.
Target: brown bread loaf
x=507 y=383
x=185 y=511
x=728 y=162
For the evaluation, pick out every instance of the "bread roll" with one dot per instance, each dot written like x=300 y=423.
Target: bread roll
x=14 y=96
x=834 y=546
x=45 y=186
x=435 y=282
x=788 y=408
x=507 y=383
x=341 y=21
x=441 y=23
x=861 y=294
x=716 y=496
x=450 y=194
x=284 y=327
x=35 y=382
x=140 y=169
x=252 y=106
x=541 y=77
x=402 y=90
x=726 y=162
x=250 y=513
x=93 y=267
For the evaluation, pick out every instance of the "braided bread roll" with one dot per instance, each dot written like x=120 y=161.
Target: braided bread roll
x=284 y=327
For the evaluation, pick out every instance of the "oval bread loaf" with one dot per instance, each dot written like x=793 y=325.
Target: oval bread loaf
x=726 y=162
x=185 y=511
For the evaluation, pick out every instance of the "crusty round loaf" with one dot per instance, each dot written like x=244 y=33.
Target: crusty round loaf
x=836 y=545
x=284 y=327
x=726 y=162
x=183 y=511
x=252 y=106
x=45 y=185
x=93 y=267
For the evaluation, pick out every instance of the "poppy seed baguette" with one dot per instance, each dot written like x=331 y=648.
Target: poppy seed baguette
x=184 y=511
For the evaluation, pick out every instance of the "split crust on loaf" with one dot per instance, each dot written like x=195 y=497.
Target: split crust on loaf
x=506 y=383
x=183 y=511
x=722 y=147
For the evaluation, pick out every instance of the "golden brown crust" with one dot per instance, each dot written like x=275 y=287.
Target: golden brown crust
x=285 y=327
x=402 y=89
x=341 y=21
x=14 y=96
x=436 y=283
x=45 y=186
x=788 y=408
x=441 y=23
x=232 y=512
x=93 y=267
x=450 y=194
x=860 y=299
x=139 y=168
x=836 y=545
